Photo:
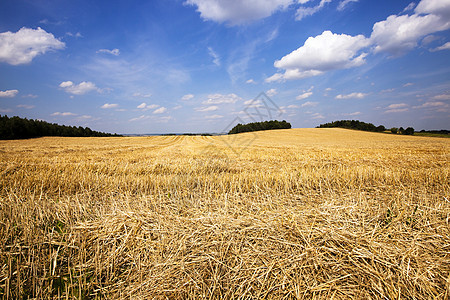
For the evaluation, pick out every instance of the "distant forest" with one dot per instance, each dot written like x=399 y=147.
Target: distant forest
x=257 y=126
x=23 y=128
x=358 y=125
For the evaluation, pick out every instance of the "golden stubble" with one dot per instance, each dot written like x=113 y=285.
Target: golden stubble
x=296 y=214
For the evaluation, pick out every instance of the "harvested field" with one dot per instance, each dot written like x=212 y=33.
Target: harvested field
x=286 y=214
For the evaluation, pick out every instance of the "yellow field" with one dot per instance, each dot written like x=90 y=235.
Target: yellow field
x=300 y=213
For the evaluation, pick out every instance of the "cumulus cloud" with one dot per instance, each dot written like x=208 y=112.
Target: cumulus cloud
x=442 y=97
x=271 y=92
x=8 y=93
x=438 y=106
x=221 y=99
x=24 y=45
x=208 y=108
x=309 y=104
x=351 y=96
x=397 y=105
x=435 y=7
x=253 y=103
x=79 y=89
x=115 y=52
x=250 y=81
x=109 y=105
x=237 y=12
x=63 y=114
x=144 y=106
x=304 y=95
x=397 y=108
x=160 y=110
x=398 y=34
x=187 y=97
x=325 y=52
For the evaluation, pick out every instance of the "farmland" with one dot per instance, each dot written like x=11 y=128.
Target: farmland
x=295 y=214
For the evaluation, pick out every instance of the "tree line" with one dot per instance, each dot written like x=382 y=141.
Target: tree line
x=23 y=128
x=257 y=126
x=359 y=125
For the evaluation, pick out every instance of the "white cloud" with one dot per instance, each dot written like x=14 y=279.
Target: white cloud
x=408 y=84
x=397 y=105
x=271 y=92
x=435 y=7
x=250 y=81
x=24 y=45
x=79 y=89
x=26 y=106
x=318 y=116
x=293 y=106
x=215 y=56
x=29 y=96
x=410 y=7
x=237 y=12
x=253 y=103
x=144 y=106
x=309 y=104
x=160 y=110
x=208 y=108
x=396 y=110
x=356 y=113
x=221 y=99
x=5 y=110
x=63 y=114
x=351 y=96
x=8 y=93
x=77 y=35
x=446 y=46
x=109 y=105
x=442 y=97
x=304 y=95
x=140 y=118
x=85 y=117
x=213 y=117
x=115 y=51
x=140 y=95
x=437 y=106
x=322 y=53
x=187 y=97
x=309 y=11
x=343 y=4
x=398 y=34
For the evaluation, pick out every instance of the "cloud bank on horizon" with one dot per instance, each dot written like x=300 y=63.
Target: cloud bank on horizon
x=191 y=66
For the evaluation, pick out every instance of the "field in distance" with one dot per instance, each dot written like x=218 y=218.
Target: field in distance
x=292 y=214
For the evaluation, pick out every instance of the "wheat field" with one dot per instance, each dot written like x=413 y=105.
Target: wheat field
x=285 y=214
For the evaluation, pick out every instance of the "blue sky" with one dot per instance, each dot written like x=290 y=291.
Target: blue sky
x=165 y=66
